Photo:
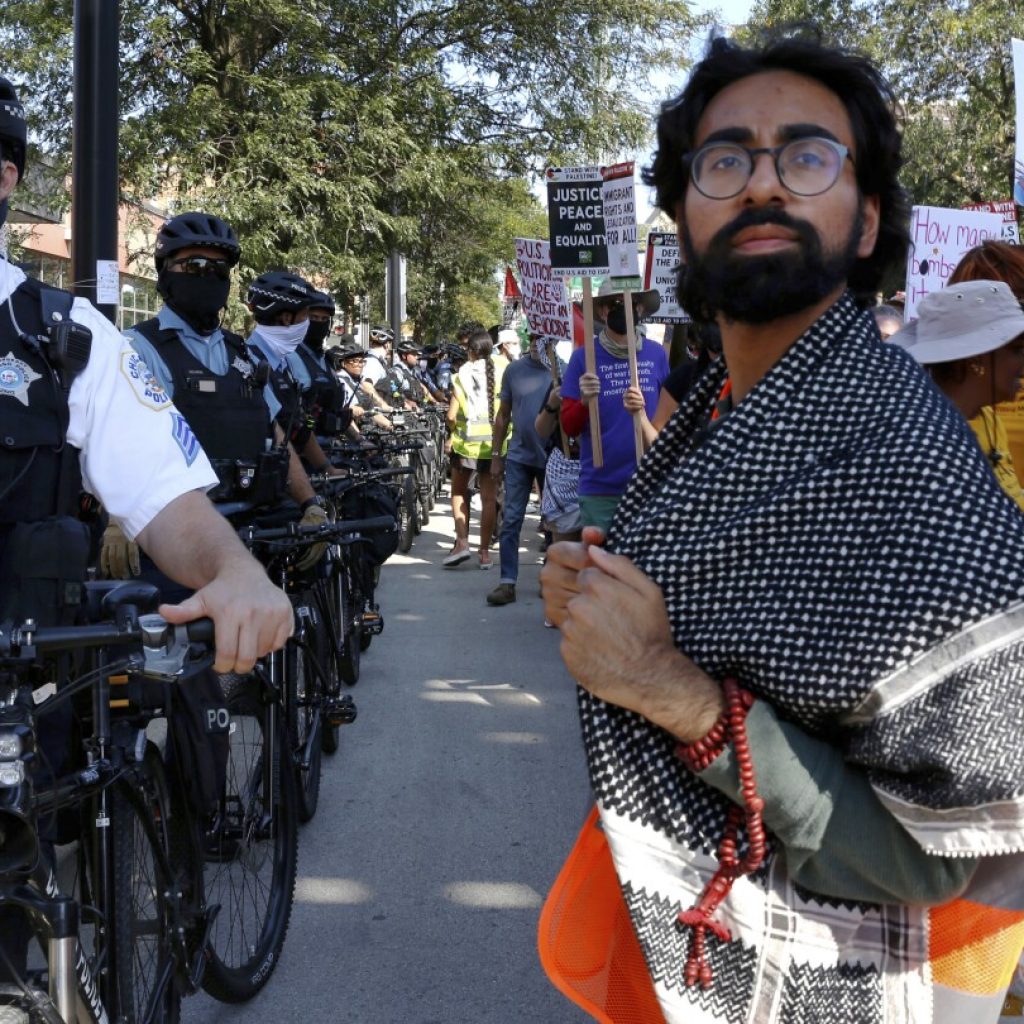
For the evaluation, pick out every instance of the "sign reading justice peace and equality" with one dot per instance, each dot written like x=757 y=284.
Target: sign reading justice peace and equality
x=660 y=272
x=939 y=237
x=576 y=220
x=545 y=298
x=618 y=198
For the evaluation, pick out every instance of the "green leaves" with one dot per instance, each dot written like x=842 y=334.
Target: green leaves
x=328 y=131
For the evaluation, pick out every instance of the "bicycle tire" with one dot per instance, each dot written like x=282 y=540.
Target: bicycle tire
x=407 y=516
x=247 y=843
x=144 y=960
x=350 y=621
x=327 y=643
x=304 y=723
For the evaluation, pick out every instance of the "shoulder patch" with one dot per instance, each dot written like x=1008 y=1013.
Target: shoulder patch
x=15 y=377
x=184 y=438
x=148 y=390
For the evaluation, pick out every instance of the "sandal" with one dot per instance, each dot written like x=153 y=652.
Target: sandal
x=485 y=560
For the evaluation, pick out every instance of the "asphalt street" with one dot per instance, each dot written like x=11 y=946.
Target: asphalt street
x=443 y=818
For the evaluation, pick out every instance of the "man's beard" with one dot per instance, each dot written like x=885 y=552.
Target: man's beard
x=759 y=289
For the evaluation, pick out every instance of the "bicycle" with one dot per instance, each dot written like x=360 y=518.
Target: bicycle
x=138 y=896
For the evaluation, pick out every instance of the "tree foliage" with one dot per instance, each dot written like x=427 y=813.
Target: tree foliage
x=951 y=67
x=329 y=131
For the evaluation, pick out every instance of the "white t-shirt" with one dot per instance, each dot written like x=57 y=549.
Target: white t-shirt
x=374 y=368
x=137 y=452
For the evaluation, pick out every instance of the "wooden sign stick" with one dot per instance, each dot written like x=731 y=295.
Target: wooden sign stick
x=590 y=362
x=634 y=375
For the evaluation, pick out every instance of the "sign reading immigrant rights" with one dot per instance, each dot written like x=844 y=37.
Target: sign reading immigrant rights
x=660 y=272
x=545 y=298
x=939 y=237
x=576 y=221
x=619 y=202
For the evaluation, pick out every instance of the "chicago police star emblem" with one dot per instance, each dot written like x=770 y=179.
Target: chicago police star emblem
x=15 y=377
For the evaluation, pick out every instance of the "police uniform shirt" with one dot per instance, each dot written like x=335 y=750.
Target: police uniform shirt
x=137 y=452
x=348 y=384
x=275 y=364
x=374 y=368
x=299 y=370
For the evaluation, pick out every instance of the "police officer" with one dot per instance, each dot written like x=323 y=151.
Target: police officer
x=210 y=374
x=348 y=359
x=322 y=393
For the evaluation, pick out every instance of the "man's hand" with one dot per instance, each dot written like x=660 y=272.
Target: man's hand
x=313 y=516
x=590 y=387
x=497 y=466
x=617 y=643
x=251 y=616
x=559 y=577
x=633 y=400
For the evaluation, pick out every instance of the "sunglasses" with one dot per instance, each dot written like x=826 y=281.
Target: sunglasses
x=203 y=266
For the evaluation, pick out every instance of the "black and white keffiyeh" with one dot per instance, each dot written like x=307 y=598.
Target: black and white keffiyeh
x=839 y=544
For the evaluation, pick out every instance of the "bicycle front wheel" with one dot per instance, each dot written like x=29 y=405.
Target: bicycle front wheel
x=252 y=851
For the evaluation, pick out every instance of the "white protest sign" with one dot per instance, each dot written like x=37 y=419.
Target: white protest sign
x=1008 y=211
x=1017 y=48
x=619 y=200
x=545 y=299
x=660 y=272
x=939 y=237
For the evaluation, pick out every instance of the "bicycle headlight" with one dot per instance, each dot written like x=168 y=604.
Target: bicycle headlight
x=11 y=746
x=12 y=773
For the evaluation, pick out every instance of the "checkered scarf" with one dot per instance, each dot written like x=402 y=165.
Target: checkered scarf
x=840 y=545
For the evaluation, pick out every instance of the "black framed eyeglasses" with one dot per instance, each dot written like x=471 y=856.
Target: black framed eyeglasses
x=204 y=266
x=806 y=167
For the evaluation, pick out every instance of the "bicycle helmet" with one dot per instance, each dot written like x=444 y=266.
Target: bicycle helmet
x=408 y=348
x=276 y=292
x=195 y=229
x=346 y=350
x=321 y=300
x=381 y=335
x=13 y=129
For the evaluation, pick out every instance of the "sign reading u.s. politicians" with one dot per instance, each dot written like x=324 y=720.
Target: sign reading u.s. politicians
x=576 y=221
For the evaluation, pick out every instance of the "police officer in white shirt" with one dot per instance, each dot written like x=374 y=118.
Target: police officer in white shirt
x=75 y=412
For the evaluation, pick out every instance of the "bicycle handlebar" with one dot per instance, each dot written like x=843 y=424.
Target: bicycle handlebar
x=313 y=534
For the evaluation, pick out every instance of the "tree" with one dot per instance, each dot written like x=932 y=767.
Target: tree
x=951 y=67
x=329 y=131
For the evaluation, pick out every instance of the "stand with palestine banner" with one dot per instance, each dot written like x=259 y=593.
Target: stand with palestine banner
x=592 y=224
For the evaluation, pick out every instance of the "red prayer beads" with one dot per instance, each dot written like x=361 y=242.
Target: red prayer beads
x=731 y=727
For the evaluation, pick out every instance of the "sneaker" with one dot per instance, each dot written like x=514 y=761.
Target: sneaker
x=503 y=593
x=456 y=558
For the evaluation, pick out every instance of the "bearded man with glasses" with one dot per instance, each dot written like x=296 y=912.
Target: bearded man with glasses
x=800 y=653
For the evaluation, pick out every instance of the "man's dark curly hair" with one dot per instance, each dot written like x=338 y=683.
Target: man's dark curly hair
x=869 y=102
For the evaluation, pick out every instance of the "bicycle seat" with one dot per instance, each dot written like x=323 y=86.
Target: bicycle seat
x=104 y=597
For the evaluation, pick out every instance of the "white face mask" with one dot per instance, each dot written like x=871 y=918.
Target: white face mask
x=282 y=341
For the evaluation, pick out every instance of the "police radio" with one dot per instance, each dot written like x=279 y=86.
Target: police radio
x=68 y=346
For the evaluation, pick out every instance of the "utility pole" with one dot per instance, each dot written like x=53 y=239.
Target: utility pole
x=94 y=155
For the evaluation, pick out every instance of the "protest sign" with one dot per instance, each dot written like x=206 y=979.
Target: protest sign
x=545 y=299
x=1017 y=48
x=660 y=272
x=939 y=237
x=619 y=201
x=1008 y=211
x=576 y=220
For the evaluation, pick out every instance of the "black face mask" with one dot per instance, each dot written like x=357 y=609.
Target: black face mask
x=617 y=318
x=316 y=334
x=197 y=300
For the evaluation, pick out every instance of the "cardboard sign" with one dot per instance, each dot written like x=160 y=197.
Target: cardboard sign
x=545 y=299
x=576 y=220
x=938 y=240
x=1008 y=211
x=618 y=197
x=660 y=272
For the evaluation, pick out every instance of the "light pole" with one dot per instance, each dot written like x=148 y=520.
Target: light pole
x=94 y=155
